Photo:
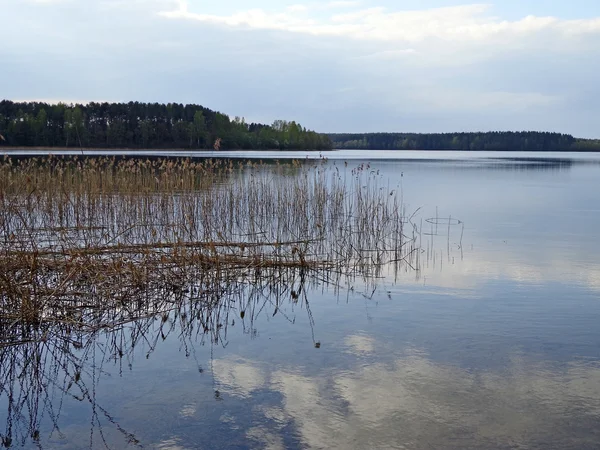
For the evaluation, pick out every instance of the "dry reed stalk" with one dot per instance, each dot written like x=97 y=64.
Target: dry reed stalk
x=103 y=235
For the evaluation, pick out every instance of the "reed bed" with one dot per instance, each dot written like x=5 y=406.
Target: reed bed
x=95 y=243
x=102 y=259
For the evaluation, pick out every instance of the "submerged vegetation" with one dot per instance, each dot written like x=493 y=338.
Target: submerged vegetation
x=136 y=125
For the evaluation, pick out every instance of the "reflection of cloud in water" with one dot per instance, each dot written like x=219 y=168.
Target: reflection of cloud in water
x=170 y=444
x=188 y=411
x=360 y=344
x=267 y=439
x=545 y=269
x=414 y=402
x=275 y=414
x=239 y=376
x=478 y=267
x=230 y=420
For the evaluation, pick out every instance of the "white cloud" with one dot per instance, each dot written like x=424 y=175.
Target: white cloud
x=457 y=23
x=47 y=2
x=391 y=54
x=333 y=66
x=465 y=99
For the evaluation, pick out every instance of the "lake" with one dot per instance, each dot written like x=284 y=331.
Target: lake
x=490 y=341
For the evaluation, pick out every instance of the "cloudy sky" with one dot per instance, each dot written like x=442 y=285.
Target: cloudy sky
x=367 y=65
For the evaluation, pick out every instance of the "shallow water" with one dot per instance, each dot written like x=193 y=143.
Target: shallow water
x=493 y=343
x=506 y=157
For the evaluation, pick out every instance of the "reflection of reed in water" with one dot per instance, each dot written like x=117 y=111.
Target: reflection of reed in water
x=83 y=242
x=47 y=364
x=38 y=376
x=122 y=252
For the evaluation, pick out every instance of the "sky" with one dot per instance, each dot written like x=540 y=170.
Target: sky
x=333 y=66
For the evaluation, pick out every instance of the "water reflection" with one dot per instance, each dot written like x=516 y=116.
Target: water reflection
x=413 y=402
x=52 y=377
x=491 y=343
x=37 y=378
x=357 y=391
x=343 y=155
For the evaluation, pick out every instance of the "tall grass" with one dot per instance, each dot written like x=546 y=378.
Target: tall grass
x=91 y=242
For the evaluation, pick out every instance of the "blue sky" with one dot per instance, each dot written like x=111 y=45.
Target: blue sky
x=367 y=65
x=509 y=9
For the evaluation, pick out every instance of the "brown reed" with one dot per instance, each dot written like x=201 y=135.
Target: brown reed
x=102 y=241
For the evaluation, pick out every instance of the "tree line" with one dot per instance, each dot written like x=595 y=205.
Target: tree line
x=517 y=141
x=138 y=125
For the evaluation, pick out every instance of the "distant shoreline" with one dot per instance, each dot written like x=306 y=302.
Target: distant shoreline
x=106 y=149
x=59 y=150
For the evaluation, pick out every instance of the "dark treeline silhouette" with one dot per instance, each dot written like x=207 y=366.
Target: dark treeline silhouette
x=144 y=125
x=518 y=141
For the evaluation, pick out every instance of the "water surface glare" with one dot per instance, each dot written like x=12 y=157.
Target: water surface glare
x=493 y=343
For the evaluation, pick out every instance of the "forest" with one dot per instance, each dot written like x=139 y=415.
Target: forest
x=517 y=141
x=136 y=125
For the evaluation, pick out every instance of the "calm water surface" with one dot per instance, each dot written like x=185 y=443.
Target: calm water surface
x=493 y=343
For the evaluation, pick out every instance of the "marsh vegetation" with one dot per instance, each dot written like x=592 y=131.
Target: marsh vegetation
x=177 y=304
x=124 y=251
x=93 y=243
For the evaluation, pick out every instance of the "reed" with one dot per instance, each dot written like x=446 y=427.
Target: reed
x=98 y=242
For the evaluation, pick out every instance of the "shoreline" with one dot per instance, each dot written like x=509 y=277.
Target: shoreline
x=125 y=149
x=60 y=150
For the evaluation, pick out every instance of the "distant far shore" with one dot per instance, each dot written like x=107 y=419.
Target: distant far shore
x=60 y=150
x=104 y=149
x=125 y=149
x=491 y=141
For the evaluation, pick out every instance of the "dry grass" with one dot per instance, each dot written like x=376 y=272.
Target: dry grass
x=99 y=242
